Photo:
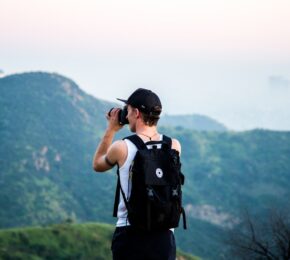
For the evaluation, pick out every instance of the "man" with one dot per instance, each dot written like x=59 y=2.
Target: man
x=144 y=109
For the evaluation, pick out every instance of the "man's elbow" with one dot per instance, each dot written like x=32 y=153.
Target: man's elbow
x=97 y=167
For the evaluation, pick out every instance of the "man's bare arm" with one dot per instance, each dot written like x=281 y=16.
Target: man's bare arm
x=101 y=162
x=106 y=155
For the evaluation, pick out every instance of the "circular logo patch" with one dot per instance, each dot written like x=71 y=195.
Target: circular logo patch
x=159 y=173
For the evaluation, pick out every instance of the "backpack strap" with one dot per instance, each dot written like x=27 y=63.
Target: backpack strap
x=117 y=196
x=135 y=139
x=167 y=140
x=184 y=218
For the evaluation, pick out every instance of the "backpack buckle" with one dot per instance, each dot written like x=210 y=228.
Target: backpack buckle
x=174 y=193
x=150 y=193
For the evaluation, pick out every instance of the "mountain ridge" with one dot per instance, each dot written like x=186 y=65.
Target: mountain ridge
x=195 y=121
x=192 y=121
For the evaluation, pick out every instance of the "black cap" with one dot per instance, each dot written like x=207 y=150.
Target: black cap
x=145 y=100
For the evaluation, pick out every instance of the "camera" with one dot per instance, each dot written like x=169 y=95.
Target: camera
x=122 y=114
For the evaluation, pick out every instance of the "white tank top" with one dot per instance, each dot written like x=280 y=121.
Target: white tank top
x=126 y=183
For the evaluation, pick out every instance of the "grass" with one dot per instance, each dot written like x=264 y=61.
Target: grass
x=61 y=241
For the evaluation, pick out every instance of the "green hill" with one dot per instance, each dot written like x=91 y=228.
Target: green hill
x=62 y=241
x=226 y=174
x=49 y=130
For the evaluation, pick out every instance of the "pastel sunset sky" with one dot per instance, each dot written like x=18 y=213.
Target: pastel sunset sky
x=227 y=59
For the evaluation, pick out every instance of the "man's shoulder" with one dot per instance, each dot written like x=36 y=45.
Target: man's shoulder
x=118 y=148
x=118 y=151
x=118 y=144
x=176 y=145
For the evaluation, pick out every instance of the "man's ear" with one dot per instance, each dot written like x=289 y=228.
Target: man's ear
x=138 y=114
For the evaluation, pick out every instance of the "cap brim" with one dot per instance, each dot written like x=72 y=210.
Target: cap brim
x=123 y=100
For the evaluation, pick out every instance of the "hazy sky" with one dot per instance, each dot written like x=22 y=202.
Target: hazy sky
x=229 y=60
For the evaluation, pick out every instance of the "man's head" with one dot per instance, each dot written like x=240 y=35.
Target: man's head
x=148 y=103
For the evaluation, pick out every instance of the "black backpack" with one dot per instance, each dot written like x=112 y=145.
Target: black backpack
x=155 y=202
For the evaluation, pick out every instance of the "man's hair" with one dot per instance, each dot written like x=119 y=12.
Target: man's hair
x=152 y=118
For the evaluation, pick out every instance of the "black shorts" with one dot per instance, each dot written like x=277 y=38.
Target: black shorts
x=128 y=244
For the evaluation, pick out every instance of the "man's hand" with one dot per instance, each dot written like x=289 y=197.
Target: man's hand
x=113 y=120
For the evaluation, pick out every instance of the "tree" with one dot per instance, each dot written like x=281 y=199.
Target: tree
x=257 y=238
